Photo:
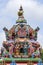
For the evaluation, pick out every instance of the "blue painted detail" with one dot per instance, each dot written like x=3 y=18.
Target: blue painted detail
x=13 y=63
x=40 y=62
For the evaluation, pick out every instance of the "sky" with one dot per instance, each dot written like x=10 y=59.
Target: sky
x=33 y=13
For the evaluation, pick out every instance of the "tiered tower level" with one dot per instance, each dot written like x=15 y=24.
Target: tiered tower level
x=21 y=39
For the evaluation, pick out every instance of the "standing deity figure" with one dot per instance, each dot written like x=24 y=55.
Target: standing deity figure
x=35 y=33
x=17 y=49
x=30 y=50
x=25 y=49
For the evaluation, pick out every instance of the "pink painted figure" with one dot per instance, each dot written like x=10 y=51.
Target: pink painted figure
x=11 y=49
x=31 y=48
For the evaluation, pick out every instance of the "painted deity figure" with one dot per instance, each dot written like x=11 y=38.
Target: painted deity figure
x=25 y=49
x=11 y=49
x=30 y=50
x=36 y=53
x=17 y=49
x=6 y=33
x=35 y=32
x=31 y=33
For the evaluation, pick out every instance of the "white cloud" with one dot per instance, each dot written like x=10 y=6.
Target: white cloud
x=5 y=22
x=33 y=8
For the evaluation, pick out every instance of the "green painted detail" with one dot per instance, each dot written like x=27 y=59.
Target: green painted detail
x=21 y=21
x=21 y=59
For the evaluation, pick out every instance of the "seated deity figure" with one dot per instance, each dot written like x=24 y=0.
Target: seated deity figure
x=6 y=45
x=36 y=53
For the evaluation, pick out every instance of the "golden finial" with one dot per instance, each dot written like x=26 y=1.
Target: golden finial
x=20 y=12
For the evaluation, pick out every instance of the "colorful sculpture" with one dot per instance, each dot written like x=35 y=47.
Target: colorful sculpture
x=21 y=39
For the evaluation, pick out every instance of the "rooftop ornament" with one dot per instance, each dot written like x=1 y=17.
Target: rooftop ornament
x=21 y=18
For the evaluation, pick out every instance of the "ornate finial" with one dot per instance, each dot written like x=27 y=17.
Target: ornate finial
x=21 y=18
x=20 y=12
